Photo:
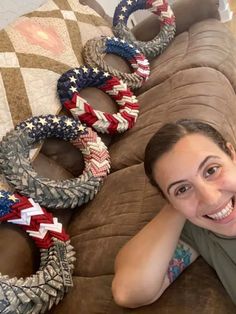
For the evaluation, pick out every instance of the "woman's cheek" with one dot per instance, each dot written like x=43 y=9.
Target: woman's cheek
x=187 y=208
x=229 y=183
x=227 y=179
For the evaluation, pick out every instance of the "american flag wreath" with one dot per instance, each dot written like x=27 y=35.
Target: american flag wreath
x=73 y=81
x=16 y=167
x=164 y=13
x=39 y=292
x=96 y=49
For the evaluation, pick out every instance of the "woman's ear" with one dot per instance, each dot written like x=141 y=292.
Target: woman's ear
x=231 y=151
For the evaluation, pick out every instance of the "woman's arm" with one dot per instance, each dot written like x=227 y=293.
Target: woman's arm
x=151 y=260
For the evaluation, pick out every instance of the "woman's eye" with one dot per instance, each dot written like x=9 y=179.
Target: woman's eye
x=212 y=170
x=183 y=189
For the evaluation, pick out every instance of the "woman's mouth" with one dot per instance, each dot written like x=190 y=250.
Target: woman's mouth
x=223 y=213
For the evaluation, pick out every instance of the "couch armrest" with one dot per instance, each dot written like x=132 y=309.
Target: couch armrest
x=187 y=12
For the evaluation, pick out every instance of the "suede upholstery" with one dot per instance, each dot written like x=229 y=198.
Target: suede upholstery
x=194 y=77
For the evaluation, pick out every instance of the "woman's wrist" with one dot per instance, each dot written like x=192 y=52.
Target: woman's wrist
x=173 y=213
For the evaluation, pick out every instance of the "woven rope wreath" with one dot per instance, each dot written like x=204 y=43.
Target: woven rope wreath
x=95 y=49
x=39 y=292
x=166 y=16
x=74 y=80
x=15 y=163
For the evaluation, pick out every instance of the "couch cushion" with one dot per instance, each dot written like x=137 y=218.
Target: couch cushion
x=200 y=93
x=197 y=290
x=124 y=205
x=19 y=255
x=198 y=10
x=89 y=295
x=208 y=43
x=126 y=201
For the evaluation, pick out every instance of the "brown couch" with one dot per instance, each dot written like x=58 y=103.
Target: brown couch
x=195 y=78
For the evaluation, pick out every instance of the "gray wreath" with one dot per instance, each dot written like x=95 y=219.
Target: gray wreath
x=16 y=167
x=164 y=13
x=39 y=292
x=151 y=48
x=94 y=53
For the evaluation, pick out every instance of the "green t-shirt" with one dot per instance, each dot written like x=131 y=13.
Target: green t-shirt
x=218 y=251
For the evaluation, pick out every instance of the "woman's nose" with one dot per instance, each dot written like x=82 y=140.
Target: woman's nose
x=208 y=195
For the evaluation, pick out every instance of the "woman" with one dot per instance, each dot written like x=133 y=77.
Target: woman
x=194 y=168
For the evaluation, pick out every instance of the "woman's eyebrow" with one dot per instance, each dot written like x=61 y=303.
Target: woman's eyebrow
x=202 y=164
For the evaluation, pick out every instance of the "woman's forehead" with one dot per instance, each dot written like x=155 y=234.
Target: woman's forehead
x=185 y=156
x=193 y=143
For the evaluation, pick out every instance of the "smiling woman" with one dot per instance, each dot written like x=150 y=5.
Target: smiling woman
x=194 y=168
x=201 y=186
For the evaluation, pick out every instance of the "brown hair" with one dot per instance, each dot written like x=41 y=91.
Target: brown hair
x=169 y=134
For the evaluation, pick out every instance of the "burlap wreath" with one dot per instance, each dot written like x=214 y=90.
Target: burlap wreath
x=39 y=292
x=96 y=48
x=165 y=14
x=15 y=162
x=74 y=80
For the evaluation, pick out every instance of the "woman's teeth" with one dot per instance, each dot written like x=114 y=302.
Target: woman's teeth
x=224 y=212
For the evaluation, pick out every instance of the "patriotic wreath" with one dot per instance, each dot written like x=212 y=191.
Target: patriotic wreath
x=165 y=14
x=39 y=292
x=96 y=48
x=74 y=80
x=16 y=167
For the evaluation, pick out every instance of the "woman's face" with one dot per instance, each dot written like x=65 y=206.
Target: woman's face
x=199 y=180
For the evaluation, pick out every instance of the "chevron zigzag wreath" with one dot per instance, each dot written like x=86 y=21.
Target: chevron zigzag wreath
x=16 y=167
x=165 y=14
x=96 y=48
x=39 y=292
x=74 y=80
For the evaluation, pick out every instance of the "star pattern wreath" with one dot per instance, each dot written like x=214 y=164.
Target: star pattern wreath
x=74 y=80
x=96 y=48
x=16 y=167
x=39 y=292
x=165 y=14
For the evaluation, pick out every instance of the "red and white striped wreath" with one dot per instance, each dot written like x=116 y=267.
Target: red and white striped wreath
x=74 y=80
x=39 y=292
